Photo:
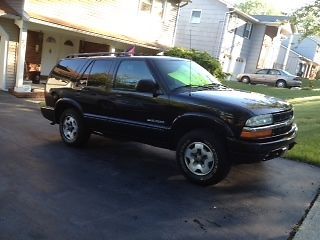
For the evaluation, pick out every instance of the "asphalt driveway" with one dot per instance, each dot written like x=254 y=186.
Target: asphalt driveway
x=125 y=190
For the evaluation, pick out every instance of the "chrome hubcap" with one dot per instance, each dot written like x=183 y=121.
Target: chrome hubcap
x=199 y=158
x=70 y=128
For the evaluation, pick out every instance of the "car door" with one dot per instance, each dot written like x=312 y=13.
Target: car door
x=273 y=76
x=93 y=91
x=141 y=114
x=260 y=76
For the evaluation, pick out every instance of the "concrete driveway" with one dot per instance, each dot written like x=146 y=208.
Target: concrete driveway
x=125 y=190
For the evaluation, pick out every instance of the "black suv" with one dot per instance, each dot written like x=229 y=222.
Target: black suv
x=171 y=103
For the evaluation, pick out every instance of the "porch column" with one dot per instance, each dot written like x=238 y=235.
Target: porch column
x=309 y=70
x=21 y=57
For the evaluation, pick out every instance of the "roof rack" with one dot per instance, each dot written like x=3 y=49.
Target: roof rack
x=117 y=54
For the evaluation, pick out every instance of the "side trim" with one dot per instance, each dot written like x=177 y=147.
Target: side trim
x=126 y=122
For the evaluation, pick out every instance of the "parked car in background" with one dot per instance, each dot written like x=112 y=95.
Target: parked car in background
x=274 y=77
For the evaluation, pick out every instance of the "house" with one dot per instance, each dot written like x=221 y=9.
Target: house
x=242 y=43
x=36 y=33
x=304 y=56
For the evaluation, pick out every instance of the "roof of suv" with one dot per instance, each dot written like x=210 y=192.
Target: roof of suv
x=115 y=55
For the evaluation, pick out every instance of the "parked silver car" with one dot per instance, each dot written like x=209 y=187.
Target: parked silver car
x=274 y=77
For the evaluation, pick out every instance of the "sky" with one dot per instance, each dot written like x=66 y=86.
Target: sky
x=283 y=5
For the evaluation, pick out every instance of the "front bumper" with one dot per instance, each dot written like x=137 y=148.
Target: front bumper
x=48 y=113
x=241 y=151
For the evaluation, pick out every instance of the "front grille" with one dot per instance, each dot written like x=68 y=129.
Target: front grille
x=281 y=130
x=282 y=116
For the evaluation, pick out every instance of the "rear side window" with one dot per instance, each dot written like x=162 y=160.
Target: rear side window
x=97 y=74
x=130 y=72
x=68 y=69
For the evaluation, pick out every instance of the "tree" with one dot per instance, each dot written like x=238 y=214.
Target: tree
x=307 y=19
x=204 y=59
x=257 y=7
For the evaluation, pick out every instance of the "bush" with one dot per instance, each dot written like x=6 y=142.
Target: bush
x=202 y=58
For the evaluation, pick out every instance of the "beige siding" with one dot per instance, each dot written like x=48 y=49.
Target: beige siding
x=117 y=18
x=11 y=64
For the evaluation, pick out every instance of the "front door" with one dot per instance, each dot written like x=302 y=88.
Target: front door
x=50 y=54
x=144 y=114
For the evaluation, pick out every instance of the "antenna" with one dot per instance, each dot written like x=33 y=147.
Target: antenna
x=190 y=64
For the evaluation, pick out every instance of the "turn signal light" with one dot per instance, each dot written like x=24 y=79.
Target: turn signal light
x=256 y=134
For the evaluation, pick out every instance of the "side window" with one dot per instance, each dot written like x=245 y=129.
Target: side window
x=274 y=72
x=68 y=69
x=97 y=74
x=130 y=72
x=263 y=71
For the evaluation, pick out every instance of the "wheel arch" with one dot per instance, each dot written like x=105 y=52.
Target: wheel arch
x=63 y=104
x=189 y=122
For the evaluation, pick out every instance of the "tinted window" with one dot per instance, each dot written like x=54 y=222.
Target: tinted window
x=68 y=69
x=130 y=72
x=97 y=74
x=263 y=71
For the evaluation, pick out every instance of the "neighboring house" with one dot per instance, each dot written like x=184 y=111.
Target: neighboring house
x=304 y=57
x=241 y=42
x=39 y=32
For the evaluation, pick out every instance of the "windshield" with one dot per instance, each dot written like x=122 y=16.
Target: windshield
x=177 y=74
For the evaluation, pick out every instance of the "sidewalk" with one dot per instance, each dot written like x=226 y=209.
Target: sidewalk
x=310 y=228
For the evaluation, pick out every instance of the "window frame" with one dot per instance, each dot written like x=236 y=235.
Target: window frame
x=117 y=70
x=267 y=71
x=152 y=9
x=247 y=36
x=191 y=16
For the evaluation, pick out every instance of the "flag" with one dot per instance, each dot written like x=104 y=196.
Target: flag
x=131 y=50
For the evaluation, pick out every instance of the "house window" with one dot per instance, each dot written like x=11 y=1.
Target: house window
x=247 y=30
x=152 y=7
x=195 y=16
x=68 y=43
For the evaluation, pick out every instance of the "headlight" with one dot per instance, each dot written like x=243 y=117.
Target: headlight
x=260 y=120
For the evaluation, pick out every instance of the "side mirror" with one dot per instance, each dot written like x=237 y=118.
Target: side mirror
x=147 y=85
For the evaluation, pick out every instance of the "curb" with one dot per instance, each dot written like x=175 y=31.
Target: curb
x=309 y=228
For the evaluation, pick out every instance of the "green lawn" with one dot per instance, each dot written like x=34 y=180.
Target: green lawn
x=307 y=116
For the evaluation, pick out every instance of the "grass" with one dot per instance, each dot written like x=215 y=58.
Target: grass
x=307 y=115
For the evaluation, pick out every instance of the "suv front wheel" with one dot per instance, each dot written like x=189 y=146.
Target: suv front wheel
x=72 y=128
x=202 y=157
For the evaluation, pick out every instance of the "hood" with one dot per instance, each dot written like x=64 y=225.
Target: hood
x=251 y=102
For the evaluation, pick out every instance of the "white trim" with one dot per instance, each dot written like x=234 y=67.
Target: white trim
x=3 y=58
x=71 y=29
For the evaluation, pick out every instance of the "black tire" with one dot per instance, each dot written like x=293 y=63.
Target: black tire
x=281 y=84
x=245 y=79
x=208 y=173
x=73 y=131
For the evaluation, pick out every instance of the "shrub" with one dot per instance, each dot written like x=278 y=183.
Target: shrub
x=202 y=58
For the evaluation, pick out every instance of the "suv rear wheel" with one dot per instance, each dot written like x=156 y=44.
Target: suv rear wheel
x=72 y=128
x=202 y=157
